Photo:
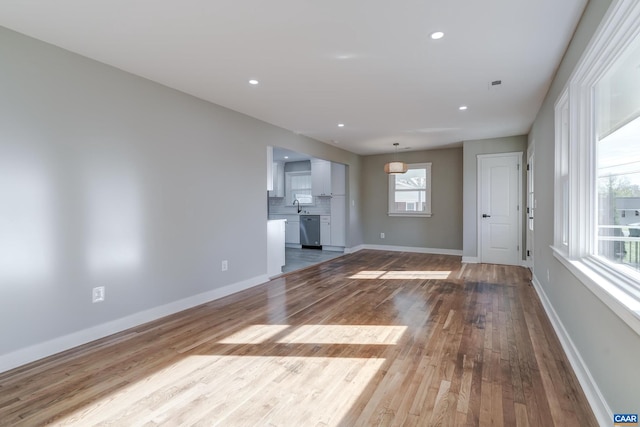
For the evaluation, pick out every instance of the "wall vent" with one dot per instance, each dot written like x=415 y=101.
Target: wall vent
x=495 y=85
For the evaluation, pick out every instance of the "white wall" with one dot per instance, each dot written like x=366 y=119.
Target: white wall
x=608 y=348
x=108 y=179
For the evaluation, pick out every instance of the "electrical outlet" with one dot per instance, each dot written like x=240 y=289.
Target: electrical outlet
x=98 y=294
x=382 y=235
x=225 y=265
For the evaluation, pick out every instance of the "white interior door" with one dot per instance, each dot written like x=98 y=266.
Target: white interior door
x=499 y=219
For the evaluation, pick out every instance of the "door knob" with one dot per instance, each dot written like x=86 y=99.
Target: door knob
x=486 y=216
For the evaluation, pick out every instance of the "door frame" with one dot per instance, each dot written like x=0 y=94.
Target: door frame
x=530 y=206
x=479 y=157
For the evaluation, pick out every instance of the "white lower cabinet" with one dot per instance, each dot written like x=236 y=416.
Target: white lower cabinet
x=275 y=246
x=292 y=232
x=325 y=230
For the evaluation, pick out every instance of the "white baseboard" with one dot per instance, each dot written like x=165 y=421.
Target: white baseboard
x=476 y=260
x=353 y=249
x=392 y=248
x=599 y=405
x=38 y=351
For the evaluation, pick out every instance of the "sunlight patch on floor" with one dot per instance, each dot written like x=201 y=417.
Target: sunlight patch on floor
x=254 y=334
x=237 y=390
x=367 y=275
x=344 y=334
x=402 y=275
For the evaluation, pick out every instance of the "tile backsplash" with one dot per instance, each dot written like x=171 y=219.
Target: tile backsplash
x=322 y=206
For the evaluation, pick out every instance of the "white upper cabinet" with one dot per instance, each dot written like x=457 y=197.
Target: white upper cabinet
x=269 y=168
x=277 y=181
x=338 y=179
x=320 y=177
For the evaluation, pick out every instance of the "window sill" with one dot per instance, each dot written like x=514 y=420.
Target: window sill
x=424 y=215
x=619 y=294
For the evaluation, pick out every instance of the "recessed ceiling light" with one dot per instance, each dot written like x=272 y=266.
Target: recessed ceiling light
x=253 y=82
x=286 y=157
x=462 y=107
x=340 y=125
x=437 y=35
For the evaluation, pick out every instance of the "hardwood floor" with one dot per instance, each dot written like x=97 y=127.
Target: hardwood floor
x=371 y=338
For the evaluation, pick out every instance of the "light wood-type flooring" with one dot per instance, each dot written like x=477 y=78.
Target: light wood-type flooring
x=368 y=339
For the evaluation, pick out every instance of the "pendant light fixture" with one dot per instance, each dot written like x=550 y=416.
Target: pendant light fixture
x=395 y=167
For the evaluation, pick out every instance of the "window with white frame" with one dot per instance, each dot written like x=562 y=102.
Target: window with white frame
x=597 y=168
x=617 y=161
x=410 y=192
x=298 y=187
x=562 y=170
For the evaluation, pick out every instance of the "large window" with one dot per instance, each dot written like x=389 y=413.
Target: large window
x=410 y=192
x=597 y=168
x=617 y=150
x=562 y=171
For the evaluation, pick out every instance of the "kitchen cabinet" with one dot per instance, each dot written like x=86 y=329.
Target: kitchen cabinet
x=275 y=246
x=320 y=177
x=338 y=179
x=277 y=185
x=325 y=230
x=269 y=166
x=292 y=232
x=338 y=221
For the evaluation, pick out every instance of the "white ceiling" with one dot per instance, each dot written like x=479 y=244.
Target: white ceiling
x=369 y=64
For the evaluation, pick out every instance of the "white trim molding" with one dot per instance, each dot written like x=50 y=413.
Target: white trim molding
x=435 y=251
x=623 y=301
x=471 y=259
x=599 y=405
x=353 y=249
x=38 y=351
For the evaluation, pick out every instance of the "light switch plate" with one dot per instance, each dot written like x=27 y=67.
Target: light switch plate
x=98 y=294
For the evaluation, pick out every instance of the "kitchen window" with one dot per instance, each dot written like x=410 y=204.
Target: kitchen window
x=298 y=187
x=410 y=192
x=597 y=171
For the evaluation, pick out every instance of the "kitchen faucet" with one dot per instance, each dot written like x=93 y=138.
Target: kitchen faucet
x=294 y=203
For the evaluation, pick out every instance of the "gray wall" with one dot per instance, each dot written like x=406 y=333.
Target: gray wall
x=607 y=345
x=108 y=179
x=443 y=230
x=470 y=190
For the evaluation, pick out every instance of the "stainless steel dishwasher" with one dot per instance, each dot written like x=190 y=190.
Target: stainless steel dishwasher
x=310 y=231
